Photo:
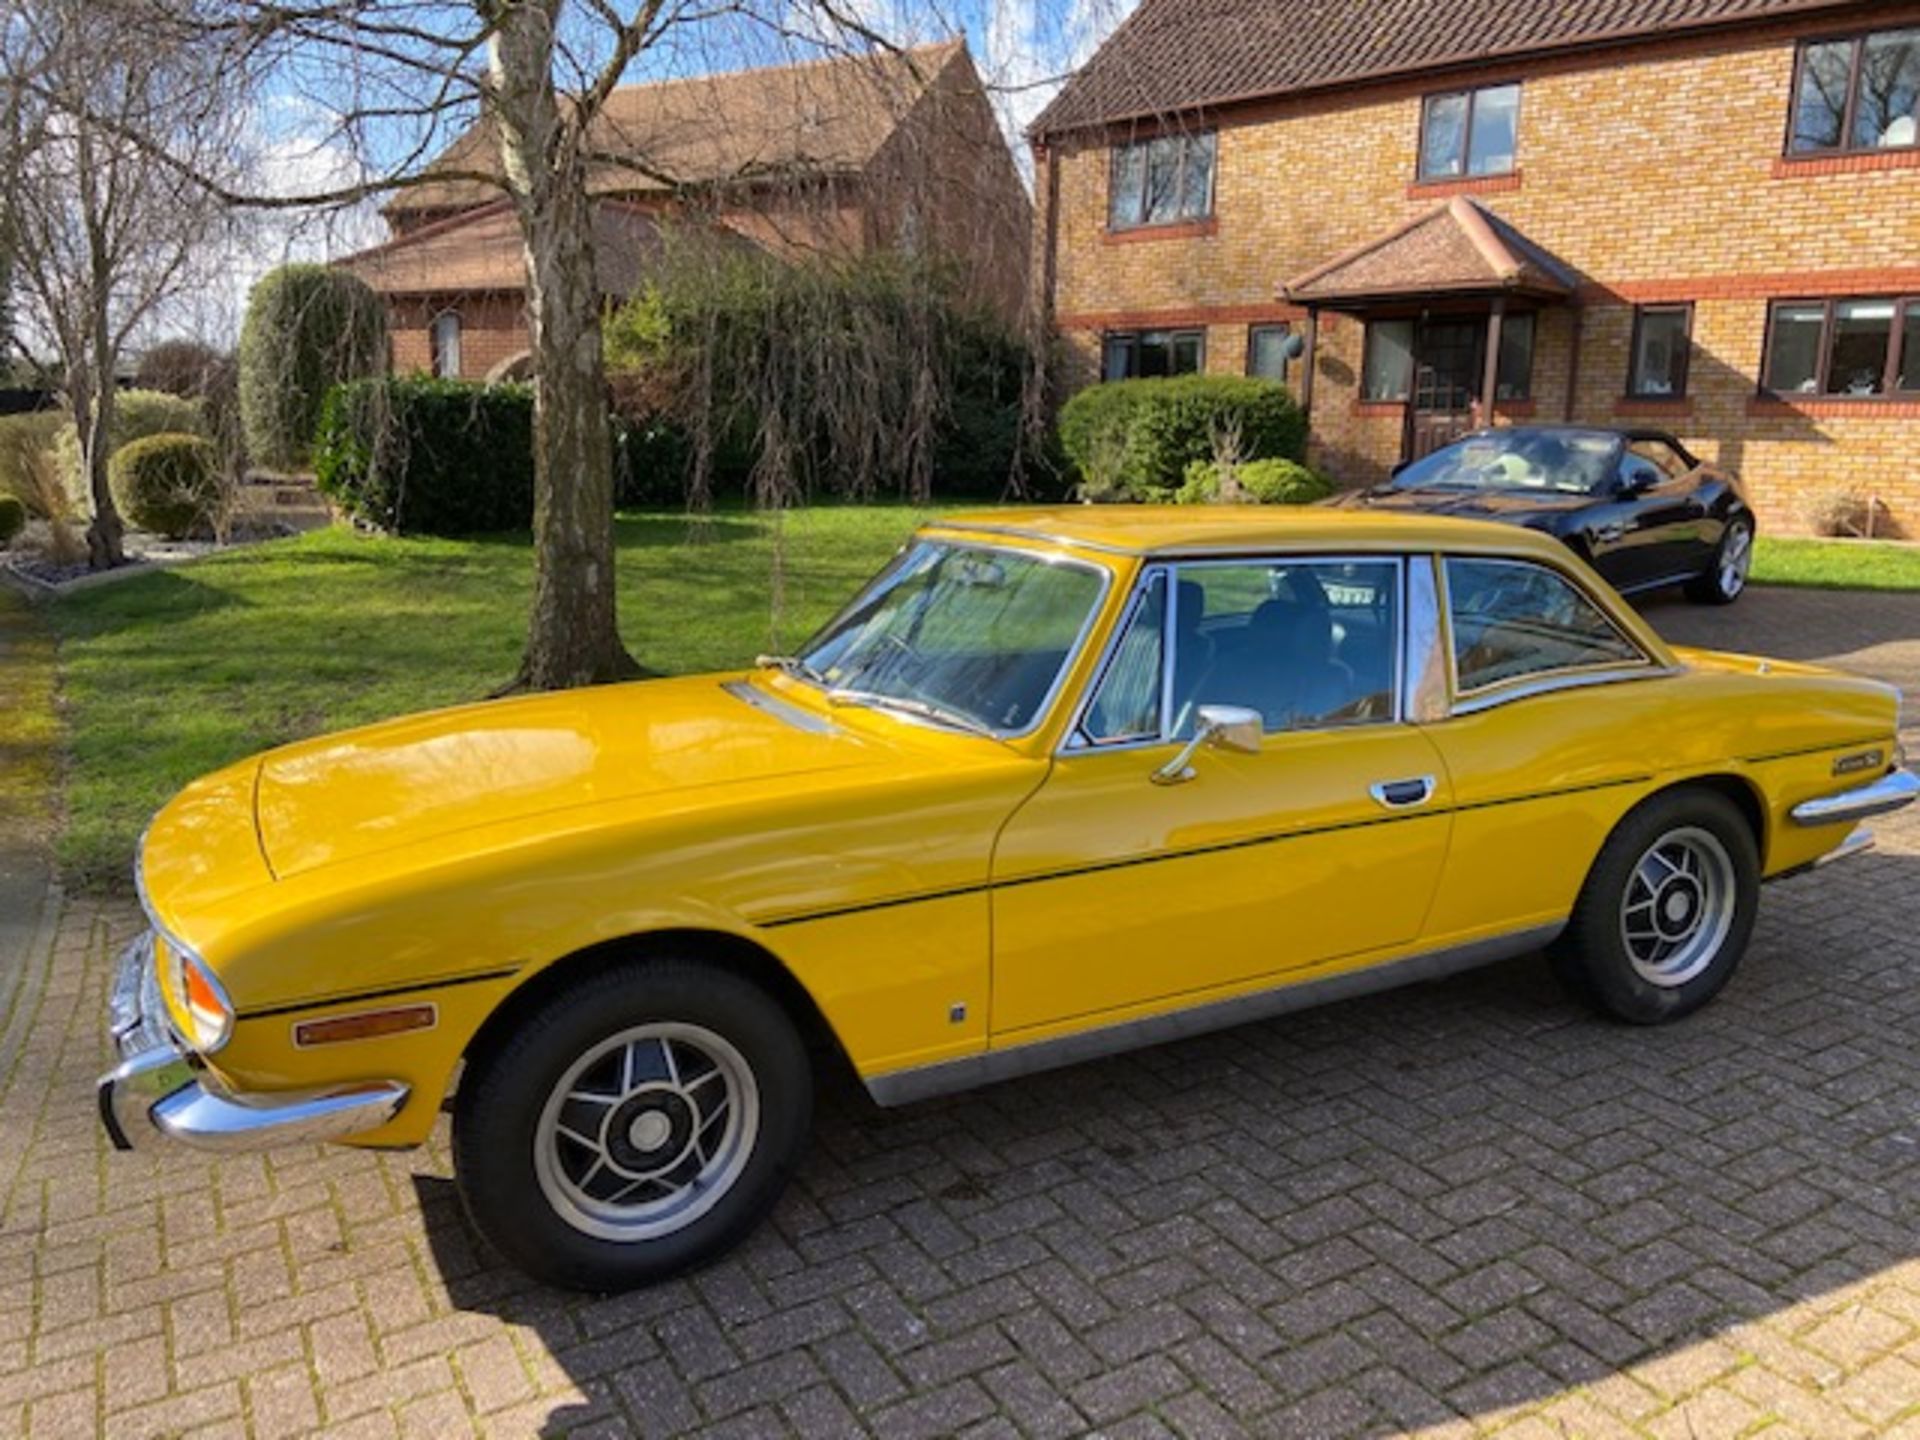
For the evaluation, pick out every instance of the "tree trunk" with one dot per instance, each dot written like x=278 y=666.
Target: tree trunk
x=93 y=414
x=573 y=637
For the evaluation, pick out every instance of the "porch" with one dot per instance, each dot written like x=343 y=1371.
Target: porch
x=1452 y=304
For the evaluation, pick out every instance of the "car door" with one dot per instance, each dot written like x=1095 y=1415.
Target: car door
x=1664 y=516
x=1547 y=693
x=1130 y=882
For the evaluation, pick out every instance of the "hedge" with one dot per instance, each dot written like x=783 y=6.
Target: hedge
x=418 y=456
x=1262 y=482
x=13 y=518
x=1140 y=435
x=169 y=484
x=308 y=328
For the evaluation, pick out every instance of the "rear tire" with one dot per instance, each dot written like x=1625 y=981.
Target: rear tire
x=1666 y=911
x=1725 y=581
x=633 y=1125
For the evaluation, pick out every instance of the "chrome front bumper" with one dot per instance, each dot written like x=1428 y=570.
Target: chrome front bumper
x=1892 y=791
x=161 y=1085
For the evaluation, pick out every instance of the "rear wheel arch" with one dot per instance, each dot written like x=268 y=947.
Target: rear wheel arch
x=725 y=950
x=1743 y=794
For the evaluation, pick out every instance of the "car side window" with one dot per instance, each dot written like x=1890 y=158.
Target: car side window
x=1669 y=461
x=1512 y=619
x=1309 y=644
x=1127 y=704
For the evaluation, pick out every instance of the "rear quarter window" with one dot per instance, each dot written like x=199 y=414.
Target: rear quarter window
x=1513 y=620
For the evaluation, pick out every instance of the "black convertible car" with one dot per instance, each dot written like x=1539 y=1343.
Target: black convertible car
x=1634 y=503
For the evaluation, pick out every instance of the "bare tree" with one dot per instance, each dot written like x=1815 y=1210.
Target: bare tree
x=104 y=229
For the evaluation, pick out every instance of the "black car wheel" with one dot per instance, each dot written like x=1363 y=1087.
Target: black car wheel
x=1723 y=583
x=632 y=1125
x=1666 y=911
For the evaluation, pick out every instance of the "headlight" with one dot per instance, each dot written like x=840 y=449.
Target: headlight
x=203 y=999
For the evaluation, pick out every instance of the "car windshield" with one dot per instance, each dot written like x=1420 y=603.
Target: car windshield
x=966 y=635
x=1569 y=462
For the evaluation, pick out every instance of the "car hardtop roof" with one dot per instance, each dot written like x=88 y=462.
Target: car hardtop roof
x=1187 y=529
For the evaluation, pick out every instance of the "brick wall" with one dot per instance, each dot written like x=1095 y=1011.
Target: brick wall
x=1655 y=171
x=493 y=329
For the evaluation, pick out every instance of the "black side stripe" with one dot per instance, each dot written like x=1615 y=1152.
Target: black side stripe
x=1131 y=861
x=354 y=996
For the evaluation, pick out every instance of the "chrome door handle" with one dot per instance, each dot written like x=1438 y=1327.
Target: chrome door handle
x=1403 y=794
x=1607 y=534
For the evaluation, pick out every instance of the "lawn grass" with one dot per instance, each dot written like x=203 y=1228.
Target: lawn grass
x=175 y=673
x=1836 y=564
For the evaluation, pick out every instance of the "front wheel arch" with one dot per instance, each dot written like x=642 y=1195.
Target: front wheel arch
x=727 y=951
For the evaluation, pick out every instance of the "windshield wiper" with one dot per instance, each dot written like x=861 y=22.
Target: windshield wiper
x=925 y=709
x=791 y=665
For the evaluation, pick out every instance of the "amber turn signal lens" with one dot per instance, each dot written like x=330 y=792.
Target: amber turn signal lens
x=366 y=1025
x=207 y=1005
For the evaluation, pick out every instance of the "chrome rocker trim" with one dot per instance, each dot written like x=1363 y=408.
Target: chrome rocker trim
x=162 y=1085
x=1892 y=791
x=922 y=1082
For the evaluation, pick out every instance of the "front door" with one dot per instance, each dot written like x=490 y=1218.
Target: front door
x=1449 y=368
x=1115 y=894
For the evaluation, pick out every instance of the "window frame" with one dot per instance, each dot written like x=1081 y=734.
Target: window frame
x=1075 y=740
x=1368 y=329
x=1536 y=682
x=1472 y=95
x=1903 y=306
x=1685 y=370
x=437 y=349
x=1857 y=40
x=1282 y=327
x=1209 y=137
x=1132 y=339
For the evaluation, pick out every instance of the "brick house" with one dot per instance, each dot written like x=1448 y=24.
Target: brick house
x=1697 y=214
x=840 y=157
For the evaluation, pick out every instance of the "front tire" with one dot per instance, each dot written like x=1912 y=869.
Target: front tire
x=1666 y=911
x=633 y=1125
x=1725 y=581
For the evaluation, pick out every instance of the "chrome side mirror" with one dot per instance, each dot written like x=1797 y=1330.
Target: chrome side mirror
x=1221 y=727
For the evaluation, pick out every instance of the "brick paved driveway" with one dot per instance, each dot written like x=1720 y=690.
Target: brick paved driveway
x=1462 y=1206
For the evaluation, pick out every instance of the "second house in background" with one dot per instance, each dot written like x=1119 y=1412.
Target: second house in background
x=837 y=158
x=1696 y=214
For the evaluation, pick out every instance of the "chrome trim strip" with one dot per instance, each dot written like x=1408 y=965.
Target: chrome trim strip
x=1558 y=680
x=1423 y=683
x=1893 y=791
x=921 y=1082
x=751 y=694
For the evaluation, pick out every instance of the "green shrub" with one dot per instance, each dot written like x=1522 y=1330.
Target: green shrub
x=169 y=484
x=308 y=328
x=1145 y=433
x=418 y=456
x=1262 y=482
x=13 y=518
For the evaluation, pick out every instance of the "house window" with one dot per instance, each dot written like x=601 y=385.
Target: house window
x=1855 y=347
x=1514 y=380
x=1267 y=351
x=444 y=341
x=1470 y=132
x=1146 y=353
x=1161 y=181
x=1387 y=373
x=1662 y=341
x=1861 y=93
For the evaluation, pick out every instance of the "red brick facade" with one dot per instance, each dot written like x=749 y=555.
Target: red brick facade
x=1654 y=170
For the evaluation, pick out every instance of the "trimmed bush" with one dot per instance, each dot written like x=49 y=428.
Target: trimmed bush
x=1261 y=482
x=418 y=456
x=1142 y=434
x=308 y=328
x=169 y=484
x=13 y=519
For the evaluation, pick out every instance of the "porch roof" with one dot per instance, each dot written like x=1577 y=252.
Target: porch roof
x=1459 y=248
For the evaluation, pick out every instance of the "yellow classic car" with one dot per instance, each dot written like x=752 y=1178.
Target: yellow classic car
x=1057 y=783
